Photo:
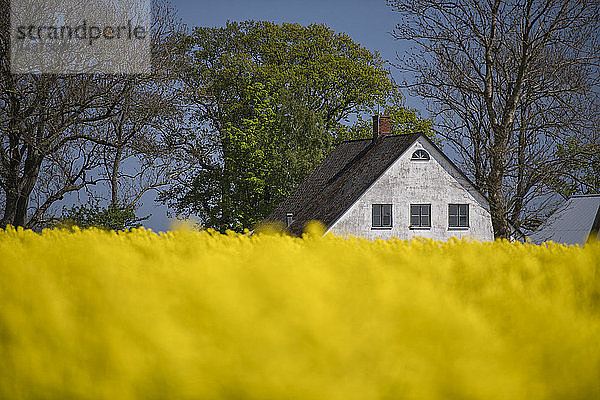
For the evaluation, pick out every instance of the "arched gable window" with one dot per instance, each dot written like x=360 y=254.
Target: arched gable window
x=420 y=155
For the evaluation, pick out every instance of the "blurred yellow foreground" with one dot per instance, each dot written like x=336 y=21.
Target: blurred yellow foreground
x=186 y=315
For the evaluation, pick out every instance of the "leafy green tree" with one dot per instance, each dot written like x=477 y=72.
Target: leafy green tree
x=580 y=166
x=115 y=217
x=268 y=103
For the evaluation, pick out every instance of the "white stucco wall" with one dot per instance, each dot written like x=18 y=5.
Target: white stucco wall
x=407 y=182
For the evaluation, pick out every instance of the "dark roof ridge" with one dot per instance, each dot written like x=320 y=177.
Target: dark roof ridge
x=353 y=161
x=374 y=142
x=383 y=136
x=585 y=195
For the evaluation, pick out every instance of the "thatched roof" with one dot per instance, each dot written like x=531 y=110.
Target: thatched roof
x=340 y=180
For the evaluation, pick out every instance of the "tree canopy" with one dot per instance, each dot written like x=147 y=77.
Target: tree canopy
x=61 y=134
x=267 y=103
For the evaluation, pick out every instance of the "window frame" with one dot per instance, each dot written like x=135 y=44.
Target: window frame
x=381 y=215
x=420 y=216
x=414 y=156
x=458 y=216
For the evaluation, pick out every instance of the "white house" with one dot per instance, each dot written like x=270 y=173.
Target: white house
x=388 y=186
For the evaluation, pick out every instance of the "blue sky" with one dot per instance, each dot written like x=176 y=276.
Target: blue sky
x=367 y=22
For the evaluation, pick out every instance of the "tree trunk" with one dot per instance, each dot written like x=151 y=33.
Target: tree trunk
x=30 y=175
x=498 y=213
x=10 y=207
x=495 y=195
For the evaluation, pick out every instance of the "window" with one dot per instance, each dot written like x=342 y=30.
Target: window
x=420 y=216
x=420 y=155
x=382 y=215
x=458 y=215
x=289 y=218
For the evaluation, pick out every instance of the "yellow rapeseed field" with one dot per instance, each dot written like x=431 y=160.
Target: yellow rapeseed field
x=189 y=315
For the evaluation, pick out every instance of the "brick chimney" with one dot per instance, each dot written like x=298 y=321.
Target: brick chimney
x=381 y=125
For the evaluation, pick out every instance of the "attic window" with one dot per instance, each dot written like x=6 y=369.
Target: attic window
x=420 y=155
x=289 y=218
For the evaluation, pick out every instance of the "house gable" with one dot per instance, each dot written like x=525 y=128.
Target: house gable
x=358 y=168
x=436 y=182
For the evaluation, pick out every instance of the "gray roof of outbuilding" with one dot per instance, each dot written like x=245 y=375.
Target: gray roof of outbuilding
x=572 y=223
